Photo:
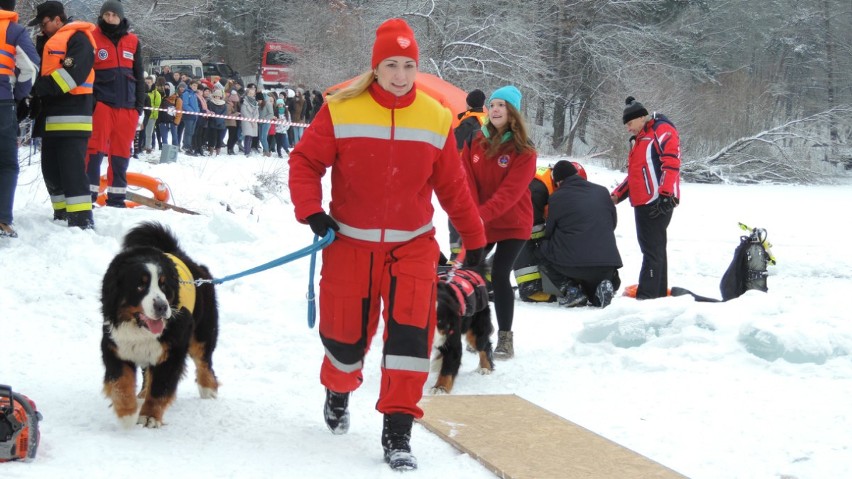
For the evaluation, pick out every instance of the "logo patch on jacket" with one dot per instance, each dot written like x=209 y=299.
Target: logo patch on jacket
x=68 y=62
x=103 y=54
x=127 y=55
x=503 y=161
x=476 y=158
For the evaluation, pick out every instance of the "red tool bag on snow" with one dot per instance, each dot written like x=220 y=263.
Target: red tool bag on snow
x=19 y=420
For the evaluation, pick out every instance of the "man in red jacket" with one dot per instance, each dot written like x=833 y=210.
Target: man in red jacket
x=120 y=95
x=653 y=186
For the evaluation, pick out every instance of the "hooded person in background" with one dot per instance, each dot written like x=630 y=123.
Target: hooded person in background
x=385 y=255
x=579 y=252
x=18 y=74
x=120 y=92
x=63 y=93
x=653 y=186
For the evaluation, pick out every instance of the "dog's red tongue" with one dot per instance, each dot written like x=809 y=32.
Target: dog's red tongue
x=155 y=325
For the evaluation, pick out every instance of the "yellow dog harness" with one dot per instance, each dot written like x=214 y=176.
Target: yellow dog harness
x=186 y=292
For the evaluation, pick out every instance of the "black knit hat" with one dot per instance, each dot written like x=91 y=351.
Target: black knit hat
x=563 y=169
x=634 y=109
x=8 y=5
x=48 y=9
x=113 y=6
x=476 y=99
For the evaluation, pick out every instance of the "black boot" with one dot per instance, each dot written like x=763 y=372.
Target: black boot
x=81 y=219
x=571 y=295
x=336 y=411
x=396 y=435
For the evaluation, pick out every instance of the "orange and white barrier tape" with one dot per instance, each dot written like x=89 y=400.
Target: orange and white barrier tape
x=173 y=111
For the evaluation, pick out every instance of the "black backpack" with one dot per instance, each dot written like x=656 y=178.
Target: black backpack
x=747 y=270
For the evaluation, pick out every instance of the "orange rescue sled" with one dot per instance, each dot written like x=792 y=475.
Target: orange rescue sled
x=157 y=187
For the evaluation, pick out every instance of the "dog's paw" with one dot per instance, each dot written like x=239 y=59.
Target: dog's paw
x=484 y=371
x=149 y=422
x=207 y=393
x=438 y=391
x=127 y=422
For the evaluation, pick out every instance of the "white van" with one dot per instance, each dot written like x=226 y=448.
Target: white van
x=189 y=65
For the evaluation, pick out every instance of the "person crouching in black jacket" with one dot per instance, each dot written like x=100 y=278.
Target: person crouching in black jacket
x=579 y=252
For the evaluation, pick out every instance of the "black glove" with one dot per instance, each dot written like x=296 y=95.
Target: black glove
x=321 y=222
x=23 y=109
x=662 y=207
x=473 y=257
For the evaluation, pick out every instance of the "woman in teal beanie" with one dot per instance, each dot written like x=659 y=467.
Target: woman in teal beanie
x=500 y=164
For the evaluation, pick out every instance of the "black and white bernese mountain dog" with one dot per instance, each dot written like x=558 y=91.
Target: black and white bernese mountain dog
x=154 y=315
x=463 y=310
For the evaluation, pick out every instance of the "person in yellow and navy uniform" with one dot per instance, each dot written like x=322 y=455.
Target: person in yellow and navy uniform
x=64 y=102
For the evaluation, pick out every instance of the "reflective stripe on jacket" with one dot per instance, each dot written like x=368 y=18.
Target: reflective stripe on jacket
x=387 y=155
x=53 y=57
x=65 y=85
x=653 y=165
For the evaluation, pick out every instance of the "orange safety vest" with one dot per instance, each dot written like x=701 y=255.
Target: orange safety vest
x=480 y=115
x=544 y=174
x=7 y=52
x=53 y=56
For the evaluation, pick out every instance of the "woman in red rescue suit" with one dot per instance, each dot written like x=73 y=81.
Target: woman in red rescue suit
x=388 y=146
x=500 y=164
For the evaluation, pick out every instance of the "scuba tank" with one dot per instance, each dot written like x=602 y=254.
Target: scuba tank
x=756 y=261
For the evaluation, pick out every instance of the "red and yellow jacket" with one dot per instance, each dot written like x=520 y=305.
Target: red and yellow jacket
x=387 y=154
x=653 y=165
x=500 y=186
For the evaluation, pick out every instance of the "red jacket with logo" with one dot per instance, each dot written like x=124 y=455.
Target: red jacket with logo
x=116 y=82
x=653 y=165
x=500 y=187
x=387 y=155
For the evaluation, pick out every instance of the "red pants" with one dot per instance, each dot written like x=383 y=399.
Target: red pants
x=355 y=282
x=113 y=132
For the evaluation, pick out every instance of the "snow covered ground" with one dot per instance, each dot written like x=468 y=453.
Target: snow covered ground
x=758 y=387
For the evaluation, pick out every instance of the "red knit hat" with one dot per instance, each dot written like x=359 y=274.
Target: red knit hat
x=394 y=38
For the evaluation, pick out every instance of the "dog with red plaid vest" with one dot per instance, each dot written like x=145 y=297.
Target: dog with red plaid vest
x=463 y=310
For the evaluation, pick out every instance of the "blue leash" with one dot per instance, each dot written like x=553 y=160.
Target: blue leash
x=318 y=244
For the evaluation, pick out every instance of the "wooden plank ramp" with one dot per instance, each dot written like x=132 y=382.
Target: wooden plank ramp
x=517 y=439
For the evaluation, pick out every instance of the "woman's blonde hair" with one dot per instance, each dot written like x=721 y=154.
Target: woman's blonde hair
x=516 y=124
x=358 y=86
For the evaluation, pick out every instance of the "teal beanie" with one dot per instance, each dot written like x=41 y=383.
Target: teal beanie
x=508 y=94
